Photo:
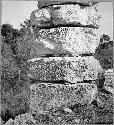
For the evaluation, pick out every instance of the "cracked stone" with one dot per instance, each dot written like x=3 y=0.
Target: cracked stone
x=70 y=69
x=50 y=97
x=46 y=3
x=62 y=15
x=47 y=48
x=75 y=40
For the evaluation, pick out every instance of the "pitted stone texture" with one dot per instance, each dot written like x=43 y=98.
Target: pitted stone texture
x=41 y=17
x=76 y=40
x=71 y=69
x=69 y=14
x=45 y=3
x=49 y=97
x=1 y=121
x=45 y=47
x=23 y=119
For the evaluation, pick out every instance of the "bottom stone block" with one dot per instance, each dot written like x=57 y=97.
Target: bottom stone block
x=49 y=97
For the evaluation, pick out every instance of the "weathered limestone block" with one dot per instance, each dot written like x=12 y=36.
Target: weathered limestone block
x=46 y=3
x=71 y=69
x=108 y=85
x=44 y=47
x=65 y=15
x=49 y=97
x=76 y=40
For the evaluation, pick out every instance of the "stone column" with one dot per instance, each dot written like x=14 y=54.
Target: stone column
x=66 y=31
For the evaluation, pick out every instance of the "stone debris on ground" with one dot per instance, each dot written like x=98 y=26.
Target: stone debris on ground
x=23 y=119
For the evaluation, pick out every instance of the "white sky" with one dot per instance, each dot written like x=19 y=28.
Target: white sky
x=15 y=12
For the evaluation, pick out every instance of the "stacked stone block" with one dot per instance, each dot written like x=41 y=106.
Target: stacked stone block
x=70 y=69
x=64 y=28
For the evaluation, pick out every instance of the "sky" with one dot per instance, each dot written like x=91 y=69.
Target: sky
x=15 y=12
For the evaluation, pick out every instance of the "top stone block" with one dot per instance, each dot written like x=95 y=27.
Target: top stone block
x=45 y=3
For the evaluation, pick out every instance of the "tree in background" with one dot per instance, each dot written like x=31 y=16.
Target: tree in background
x=104 y=38
x=13 y=81
x=10 y=36
x=25 y=28
x=9 y=49
x=16 y=47
x=25 y=41
x=104 y=52
x=9 y=33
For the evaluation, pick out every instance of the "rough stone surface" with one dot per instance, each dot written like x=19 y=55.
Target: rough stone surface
x=80 y=114
x=23 y=119
x=62 y=94
x=10 y=122
x=1 y=121
x=58 y=15
x=44 y=47
x=76 y=40
x=71 y=69
x=49 y=97
x=42 y=3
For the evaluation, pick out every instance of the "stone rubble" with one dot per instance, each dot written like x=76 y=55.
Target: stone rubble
x=23 y=119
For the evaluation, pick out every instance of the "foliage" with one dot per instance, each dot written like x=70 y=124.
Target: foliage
x=14 y=83
x=15 y=51
x=9 y=36
x=25 y=28
x=9 y=33
x=104 y=38
x=104 y=53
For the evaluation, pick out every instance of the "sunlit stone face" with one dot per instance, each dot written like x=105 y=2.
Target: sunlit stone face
x=47 y=44
x=71 y=69
x=77 y=40
x=44 y=97
x=75 y=14
x=70 y=14
x=76 y=27
x=64 y=81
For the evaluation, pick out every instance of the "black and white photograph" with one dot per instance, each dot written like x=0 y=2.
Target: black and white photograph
x=56 y=62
